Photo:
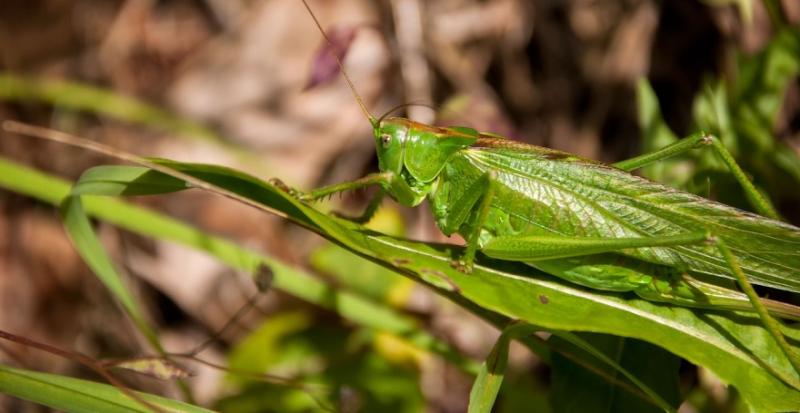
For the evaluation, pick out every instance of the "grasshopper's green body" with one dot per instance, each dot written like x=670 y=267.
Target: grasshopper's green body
x=542 y=192
x=594 y=224
x=512 y=201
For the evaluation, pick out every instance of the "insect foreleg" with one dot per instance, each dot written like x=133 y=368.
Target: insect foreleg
x=699 y=140
x=372 y=207
x=382 y=179
x=479 y=194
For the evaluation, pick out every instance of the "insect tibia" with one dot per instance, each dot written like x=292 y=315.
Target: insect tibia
x=314 y=196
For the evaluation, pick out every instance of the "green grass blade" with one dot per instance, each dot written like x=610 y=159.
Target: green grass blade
x=291 y=280
x=413 y=259
x=510 y=290
x=743 y=112
x=490 y=377
x=91 y=250
x=75 y=395
x=115 y=180
x=733 y=345
x=82 y=97
x=761 y=84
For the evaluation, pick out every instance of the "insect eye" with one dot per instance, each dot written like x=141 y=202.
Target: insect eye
x=386 y=139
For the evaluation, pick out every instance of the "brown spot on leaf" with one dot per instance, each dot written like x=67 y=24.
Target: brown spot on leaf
x=401 y=261
x=543 y=299
x=452 y=286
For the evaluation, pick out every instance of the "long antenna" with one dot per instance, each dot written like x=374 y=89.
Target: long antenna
x=363 y=107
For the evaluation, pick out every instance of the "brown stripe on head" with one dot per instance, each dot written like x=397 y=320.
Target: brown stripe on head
x=410 y=124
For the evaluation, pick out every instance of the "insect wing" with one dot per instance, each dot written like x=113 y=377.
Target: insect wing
x=571 y=196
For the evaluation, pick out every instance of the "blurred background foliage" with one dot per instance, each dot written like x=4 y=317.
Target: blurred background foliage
x=231 y=82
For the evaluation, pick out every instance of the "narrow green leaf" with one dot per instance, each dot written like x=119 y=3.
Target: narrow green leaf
x=712 y=114
x=83 y=97
x=732 y=345
x=716 y=340
x=125 y=180
x=490 y=376
x=289 y=279
x=756 y=99
x=761 y=84
x=91 y=250
x=743 y=112
x=74 y=395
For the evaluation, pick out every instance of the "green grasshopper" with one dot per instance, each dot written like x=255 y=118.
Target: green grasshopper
x=590 y=223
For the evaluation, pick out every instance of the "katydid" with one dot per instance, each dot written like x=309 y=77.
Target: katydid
x=593 y=224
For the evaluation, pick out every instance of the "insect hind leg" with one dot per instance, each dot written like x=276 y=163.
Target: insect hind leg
x=471 y=210
x=552 y=254
x=770 y=324
x=652 y=282
x=701 y=140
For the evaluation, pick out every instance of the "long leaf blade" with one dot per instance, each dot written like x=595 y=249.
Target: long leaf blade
x=286 y=278
x=490 y=377
x=732 y=345
x=79 y=396
x=94 y=255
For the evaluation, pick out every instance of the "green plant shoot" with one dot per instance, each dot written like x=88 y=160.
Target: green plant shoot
x=593 y=224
